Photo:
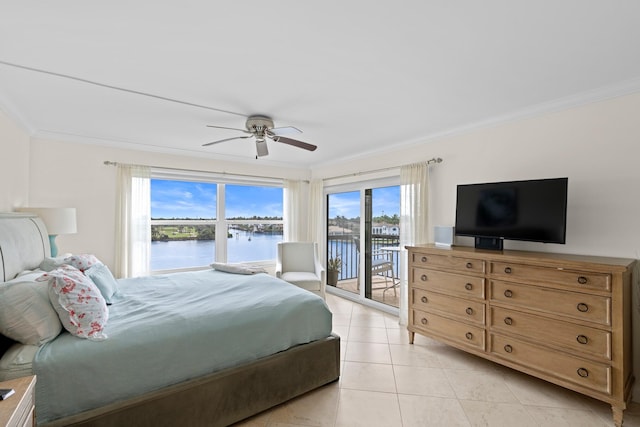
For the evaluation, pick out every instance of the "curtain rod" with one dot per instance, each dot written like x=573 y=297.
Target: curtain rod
x=110 y=163
x=428 y=162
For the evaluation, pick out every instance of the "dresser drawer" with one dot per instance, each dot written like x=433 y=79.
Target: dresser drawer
x=462 y=309
x=556 y=276
x=591 y=308
x=449 y=283
x=448 y=329
x=585 y=373
x=448 y=262
x=575 y=338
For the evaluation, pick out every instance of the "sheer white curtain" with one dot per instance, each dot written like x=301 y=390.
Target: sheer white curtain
x=316 y=215
x=414 y=221
x=133 y=220
x=303 y=214
x=295 y=215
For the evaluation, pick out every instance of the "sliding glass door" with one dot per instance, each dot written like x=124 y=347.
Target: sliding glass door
x=363 y=235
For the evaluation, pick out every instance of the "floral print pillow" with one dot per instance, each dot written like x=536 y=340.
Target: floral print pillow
x=78 y=302
x=82 y=262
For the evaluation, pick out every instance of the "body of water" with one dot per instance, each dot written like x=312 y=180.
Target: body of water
x=242 y=247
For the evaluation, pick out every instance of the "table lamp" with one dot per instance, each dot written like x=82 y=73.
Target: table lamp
x=57 y=221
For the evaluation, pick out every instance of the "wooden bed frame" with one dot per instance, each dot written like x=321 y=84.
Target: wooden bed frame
x=218 y=399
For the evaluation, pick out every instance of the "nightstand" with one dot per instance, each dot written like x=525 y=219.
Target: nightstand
x=19 y=409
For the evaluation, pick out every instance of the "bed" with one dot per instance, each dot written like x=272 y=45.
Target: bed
x=195 y=348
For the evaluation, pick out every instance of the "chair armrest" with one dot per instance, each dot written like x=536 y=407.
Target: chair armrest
x=278 y=269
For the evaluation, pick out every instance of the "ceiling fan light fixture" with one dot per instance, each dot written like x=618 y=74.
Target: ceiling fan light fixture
x=261 y=148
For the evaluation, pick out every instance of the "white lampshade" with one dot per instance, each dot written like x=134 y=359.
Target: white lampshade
x=57 y=220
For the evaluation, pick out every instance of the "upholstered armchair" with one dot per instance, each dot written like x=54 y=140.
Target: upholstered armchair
x=298 y=263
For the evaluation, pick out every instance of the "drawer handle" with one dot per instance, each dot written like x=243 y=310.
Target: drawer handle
x=468 y=286
x=582 y=339
x=469 y=265
x=507 y=270
x=583 y=372
x=469 y=335
x=423 y=259
x=424 y=321
x=508 y=293
x=424 y=277
x=508 y=348
x=582 y=307
x=424 y=299
x=508 y=321
x=469 y=311
x=582 y=280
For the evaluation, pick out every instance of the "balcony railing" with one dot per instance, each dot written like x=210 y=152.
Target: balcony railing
x=344 y=246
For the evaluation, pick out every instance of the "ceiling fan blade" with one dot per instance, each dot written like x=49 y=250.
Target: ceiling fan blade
x=285 y=130
x=226 y=139
x=224 y=127
x=295 y=143
x=261 y=148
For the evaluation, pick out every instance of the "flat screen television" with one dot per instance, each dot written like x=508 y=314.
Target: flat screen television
x=532 y=210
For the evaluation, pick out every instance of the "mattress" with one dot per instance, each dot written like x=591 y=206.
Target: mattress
x=17 y=361
x=166 y=329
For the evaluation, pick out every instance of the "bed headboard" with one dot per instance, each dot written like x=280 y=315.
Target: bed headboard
x=24 y=243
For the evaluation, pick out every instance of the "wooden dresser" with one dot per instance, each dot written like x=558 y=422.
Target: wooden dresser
x=563 y=318
x=19 y=409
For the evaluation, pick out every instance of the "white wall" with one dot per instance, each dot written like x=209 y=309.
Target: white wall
x=597 y=146
x=14 y=165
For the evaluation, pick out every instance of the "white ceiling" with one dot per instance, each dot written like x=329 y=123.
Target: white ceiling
x=357 y=76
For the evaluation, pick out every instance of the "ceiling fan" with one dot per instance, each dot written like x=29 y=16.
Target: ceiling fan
x=261 y=128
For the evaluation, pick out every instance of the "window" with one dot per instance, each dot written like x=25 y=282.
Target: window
x=189 y=217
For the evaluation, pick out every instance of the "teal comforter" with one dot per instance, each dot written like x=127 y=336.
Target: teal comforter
x=166 y=329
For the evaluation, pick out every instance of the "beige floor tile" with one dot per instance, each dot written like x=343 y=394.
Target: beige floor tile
x=556 y=417
x=422 y=381
x=533 y=391
x=425 y=411
x=368 y=352
x=317 y=408
x=358 y=408
x=368 y=377
x=479 y=385
x=496 y=414
x=341 y=319
x=366 y=334
x=369 y=320
x=413 y=355
x=393 y=322
x=397 y=336
x=342 y=331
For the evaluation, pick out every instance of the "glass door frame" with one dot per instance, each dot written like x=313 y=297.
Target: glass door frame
x=360 y=186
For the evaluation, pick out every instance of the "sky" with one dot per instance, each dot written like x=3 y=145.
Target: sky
x=182 y=199
x=386 y=200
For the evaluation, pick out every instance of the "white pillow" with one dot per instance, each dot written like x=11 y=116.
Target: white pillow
x=104 y=280
x=26 y=315
x=49 y=263
x=237 y=268
x=82 y=262
x=80 y=306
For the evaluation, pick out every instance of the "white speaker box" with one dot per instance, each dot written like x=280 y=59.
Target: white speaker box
x=443 y=236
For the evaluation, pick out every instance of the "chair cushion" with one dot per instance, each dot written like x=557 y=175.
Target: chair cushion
x=302 y=279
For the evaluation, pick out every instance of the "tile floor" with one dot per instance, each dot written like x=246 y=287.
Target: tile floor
x=387 y=382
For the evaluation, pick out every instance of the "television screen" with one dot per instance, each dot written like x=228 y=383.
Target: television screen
x=533 y=210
